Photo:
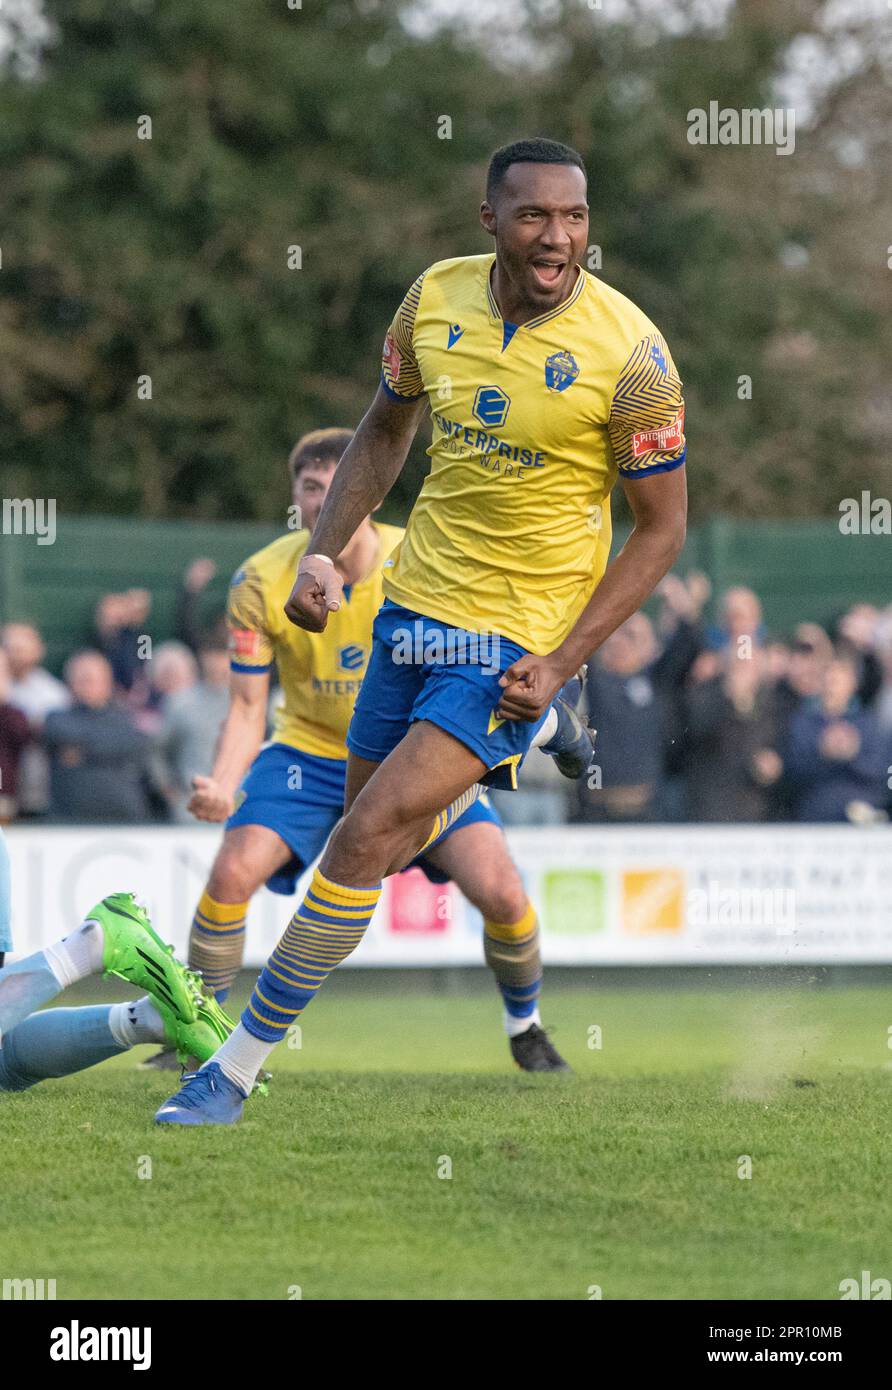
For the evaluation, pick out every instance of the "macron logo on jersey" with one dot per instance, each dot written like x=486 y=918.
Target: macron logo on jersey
x=661 y=440
x=455 y=332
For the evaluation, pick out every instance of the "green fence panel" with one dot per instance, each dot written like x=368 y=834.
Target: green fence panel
x=57 y=586
x=800 y=569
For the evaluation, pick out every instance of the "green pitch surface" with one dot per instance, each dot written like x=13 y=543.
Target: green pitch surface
x=625 y=1176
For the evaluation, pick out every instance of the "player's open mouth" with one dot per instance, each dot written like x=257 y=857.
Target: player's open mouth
x=548 y=273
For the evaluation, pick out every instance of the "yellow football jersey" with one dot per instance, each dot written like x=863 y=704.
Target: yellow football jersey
x=320 y=672
x=531 y=426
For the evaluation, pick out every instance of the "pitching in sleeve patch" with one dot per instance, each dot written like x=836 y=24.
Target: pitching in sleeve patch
x=244 y=645
x=392 y=358
x=659 y=441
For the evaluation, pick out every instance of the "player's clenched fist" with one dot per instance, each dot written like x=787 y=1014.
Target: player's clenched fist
x=208 y=801
x=316 y=593
x=528 y=688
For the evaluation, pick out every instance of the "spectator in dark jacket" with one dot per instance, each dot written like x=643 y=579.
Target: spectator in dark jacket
x=810 y=653
x=732 y=759
x=630 y=713
x=98 y=760
x=120 y=628
x=190 y=626
x=740 y=627
x=36 y=693
x=837 y=755
x=15 y=734
x=681 y=631
x=855 y=633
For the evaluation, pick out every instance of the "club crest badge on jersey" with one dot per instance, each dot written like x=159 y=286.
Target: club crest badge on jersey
x=392 y=357
x=561 y=370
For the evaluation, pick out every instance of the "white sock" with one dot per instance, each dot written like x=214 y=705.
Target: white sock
x=548 y=730
x=137 y=1021
x=513 y=1025
x=78 y=954
x=241 y=1057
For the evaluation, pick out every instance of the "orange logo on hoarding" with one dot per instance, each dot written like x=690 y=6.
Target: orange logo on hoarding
x=652 y=901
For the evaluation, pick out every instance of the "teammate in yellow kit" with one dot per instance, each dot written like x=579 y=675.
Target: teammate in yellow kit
x=279 y=816
x=555 y=386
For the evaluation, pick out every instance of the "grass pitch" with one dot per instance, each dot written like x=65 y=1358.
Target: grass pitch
x=625 y=1176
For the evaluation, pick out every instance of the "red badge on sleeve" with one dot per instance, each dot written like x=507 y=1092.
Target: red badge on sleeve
x=660 y=441
x=244 y=643
x=392 y=357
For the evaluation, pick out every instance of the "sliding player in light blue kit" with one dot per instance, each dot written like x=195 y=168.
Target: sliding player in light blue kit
x=116 y=938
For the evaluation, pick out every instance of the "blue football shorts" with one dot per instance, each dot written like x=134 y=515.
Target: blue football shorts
x=301 y=797
x=421 y=668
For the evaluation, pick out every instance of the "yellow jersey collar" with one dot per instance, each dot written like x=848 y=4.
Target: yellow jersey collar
x=540 y=318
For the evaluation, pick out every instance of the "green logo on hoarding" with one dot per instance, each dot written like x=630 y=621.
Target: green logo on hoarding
x=573 y=901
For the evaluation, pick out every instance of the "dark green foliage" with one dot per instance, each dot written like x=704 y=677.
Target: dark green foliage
x=318 y=128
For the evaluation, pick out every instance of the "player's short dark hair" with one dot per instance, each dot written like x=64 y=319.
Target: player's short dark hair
x=536 y=151
x=319 y=446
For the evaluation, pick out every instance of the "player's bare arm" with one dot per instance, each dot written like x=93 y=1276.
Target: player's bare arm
x=365 y=475
x=238 y=745
x=659 y=508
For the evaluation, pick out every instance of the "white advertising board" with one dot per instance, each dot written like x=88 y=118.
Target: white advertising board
x=671 y=894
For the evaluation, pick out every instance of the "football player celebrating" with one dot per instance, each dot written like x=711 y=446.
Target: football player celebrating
x=280 y=815
x=557 y=386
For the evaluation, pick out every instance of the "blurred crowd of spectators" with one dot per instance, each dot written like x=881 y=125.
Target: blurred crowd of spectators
x=725 y=723
x=696 y=721
x=119 y=738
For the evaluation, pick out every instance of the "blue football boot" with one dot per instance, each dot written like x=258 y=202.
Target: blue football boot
x=207 y=1097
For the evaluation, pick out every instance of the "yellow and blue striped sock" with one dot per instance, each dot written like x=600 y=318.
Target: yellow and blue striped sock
x=512 y=953
x=328 y=925
x=217 y=942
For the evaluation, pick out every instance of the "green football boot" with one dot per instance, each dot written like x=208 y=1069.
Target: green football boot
x=134 y=952
x=198 y=1041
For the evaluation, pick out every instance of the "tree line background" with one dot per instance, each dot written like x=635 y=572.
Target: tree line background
x=320 y=127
